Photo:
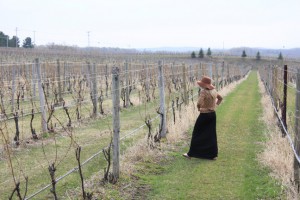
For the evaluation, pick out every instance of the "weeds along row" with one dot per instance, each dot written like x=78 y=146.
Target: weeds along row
x=39 y=138
x=282 y=152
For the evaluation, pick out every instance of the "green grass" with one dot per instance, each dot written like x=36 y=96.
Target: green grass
x=236 y=174
x=93 y=135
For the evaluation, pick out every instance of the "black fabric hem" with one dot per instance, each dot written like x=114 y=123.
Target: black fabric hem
x=202 y=157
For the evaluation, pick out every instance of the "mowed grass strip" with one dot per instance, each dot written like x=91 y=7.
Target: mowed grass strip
x=236 y=174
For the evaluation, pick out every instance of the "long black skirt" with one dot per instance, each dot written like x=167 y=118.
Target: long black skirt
x=204 y=138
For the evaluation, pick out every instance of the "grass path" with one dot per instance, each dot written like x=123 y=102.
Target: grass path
x=236 y=174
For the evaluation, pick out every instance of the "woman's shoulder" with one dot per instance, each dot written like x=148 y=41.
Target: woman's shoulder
x=208 y=91
x=205 y=92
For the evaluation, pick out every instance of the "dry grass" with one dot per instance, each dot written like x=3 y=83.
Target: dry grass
x=140 y=152
x=184 y=120
x=277 y=154
x=226 y=90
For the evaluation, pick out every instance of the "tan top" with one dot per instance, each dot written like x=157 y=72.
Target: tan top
x=208 y=100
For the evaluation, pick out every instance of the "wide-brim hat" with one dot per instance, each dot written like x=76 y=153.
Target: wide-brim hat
x=205 y=82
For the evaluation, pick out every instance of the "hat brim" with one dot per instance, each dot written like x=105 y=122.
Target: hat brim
x=205 y=85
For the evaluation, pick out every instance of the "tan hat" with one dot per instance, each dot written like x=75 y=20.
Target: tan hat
x=206 y=83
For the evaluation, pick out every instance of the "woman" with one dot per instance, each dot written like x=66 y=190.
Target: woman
x=204 y=138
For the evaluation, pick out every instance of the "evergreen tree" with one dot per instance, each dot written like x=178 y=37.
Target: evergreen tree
x=14 y=42
x=280 y=56
x=193 y=55
x=27 y=43
x=208 y=52
x=3 y=39
x=258 y=56
x=201 y=54
x=244 y=54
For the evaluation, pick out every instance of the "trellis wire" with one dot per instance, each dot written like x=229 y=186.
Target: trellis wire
x=86 y=161
x=93 y=156
x=284 y=128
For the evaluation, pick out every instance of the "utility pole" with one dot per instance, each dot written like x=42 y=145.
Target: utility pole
x=34 y=37
x=88 y=38
x=223 y=51
x=16 y=36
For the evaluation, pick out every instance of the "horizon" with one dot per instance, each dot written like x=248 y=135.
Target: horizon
x=170 y=47
x=149 y=48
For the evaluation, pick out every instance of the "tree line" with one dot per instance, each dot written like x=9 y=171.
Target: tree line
x=14 y=41
x=258 y=57
x=201 y=53
x=244 y=55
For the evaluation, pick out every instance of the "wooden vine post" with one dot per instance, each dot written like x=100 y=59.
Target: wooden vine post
x=199 y=71
x=216 y=77
x=185 y=92
x=33 y=80
x=274 y=79
x=265 y=74
x=283 y=113
x=297 y=132
x=64 y=75
x=2 y=72
x=127 y=104
x=93 y=87
x=88 y=76
x=94 y=93
x=147 y=83
x=210 y=71
x=228 y=75
x=106 y=80
x=275 y=84
x=13 y=89
x=190 y=74
x=162 y=100
x=27 y=76
x=116 y=121
x=59 y=82
x=41 y=96
x=223 y=84
x=270 y=80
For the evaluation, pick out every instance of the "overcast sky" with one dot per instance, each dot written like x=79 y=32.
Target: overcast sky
x=155 y=23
